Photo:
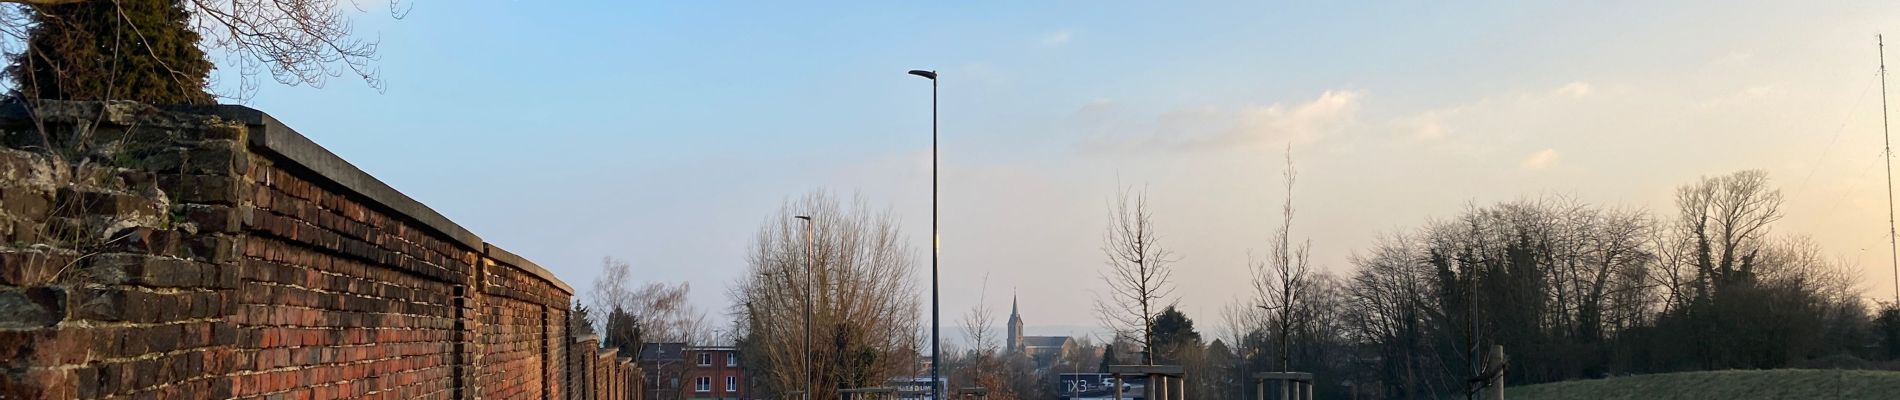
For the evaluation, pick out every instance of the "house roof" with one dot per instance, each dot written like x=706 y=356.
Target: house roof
x=662 y=352
x=1046 y=341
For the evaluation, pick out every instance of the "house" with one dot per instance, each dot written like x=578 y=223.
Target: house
x=714 y=373
x=665 y=366
x=678 y=371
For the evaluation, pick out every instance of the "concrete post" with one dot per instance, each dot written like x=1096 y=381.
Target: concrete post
x=1497 y=362
x=1118 y=386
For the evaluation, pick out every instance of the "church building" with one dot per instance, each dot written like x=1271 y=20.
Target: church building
x=1046 y=351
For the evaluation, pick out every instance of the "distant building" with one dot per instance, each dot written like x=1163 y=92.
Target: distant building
x=1046 y=351
x=714 y=373
x=665 y=366
x=678 y=372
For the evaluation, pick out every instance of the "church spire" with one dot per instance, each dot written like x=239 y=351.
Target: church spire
x=1015 y=340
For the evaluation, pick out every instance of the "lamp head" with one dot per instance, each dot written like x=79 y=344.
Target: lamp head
x=927 y=74
x=803 y=217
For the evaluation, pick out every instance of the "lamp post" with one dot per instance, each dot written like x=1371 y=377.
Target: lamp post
x=936 y=386
x=811 y=263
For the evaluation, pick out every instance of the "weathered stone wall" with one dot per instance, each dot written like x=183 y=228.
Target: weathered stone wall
x=155 y=254
x=115 y=278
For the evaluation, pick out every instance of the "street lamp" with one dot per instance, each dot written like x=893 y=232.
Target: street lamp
x=810 y=266
x=936 y=386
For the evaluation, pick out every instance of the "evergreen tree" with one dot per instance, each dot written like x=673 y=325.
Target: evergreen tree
x=1108 y=358
x=624 y=333
x=139 y=50
x=1175 y=337
x=1172 y=327
x=579 y=323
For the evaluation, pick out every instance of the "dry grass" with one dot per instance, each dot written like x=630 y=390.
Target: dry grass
x=1732 y=384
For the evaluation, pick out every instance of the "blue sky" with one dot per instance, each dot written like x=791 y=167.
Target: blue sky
x=664 y=132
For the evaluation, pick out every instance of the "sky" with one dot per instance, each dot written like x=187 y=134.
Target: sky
x=665 y=133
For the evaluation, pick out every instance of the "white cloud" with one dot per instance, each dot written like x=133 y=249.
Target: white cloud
x=1575 y=89
x=1303 y=123
x=1541 y=159
x=1211 y=127
x=1425 y=127
x=1058 y=38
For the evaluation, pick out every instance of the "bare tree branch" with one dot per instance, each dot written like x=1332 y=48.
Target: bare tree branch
x=1138 y=274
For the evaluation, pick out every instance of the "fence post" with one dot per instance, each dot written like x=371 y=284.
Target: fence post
x=1497 y=363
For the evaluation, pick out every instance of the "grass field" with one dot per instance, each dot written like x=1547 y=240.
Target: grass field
x=1734 y=384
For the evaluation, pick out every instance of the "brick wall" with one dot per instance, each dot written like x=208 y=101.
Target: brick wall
x=156 y=254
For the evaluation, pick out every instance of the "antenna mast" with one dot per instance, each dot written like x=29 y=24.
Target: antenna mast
x=1893 y=243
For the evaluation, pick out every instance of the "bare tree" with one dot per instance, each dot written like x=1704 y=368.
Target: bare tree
x=1006 y=376
x=1799 y=261
x=1617 y=289
x=1238 y=319
x=1138 y=273
x=665 y=314
x=978 y=323
x=1727 y=218
x=858 y=279
x=611 y=290
x=297 y=41
x=1392 y=304
x=1281 y=281
x=661 y=313
x=1674 y=269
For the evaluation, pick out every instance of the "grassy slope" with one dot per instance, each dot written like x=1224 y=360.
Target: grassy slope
x=1735 y=384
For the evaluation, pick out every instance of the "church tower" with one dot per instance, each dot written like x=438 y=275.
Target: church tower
x=1015 y=340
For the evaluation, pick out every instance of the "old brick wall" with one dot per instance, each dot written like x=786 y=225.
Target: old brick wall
x=523 y=325
x=580 y=367
x=338 y=299
x=155 y=254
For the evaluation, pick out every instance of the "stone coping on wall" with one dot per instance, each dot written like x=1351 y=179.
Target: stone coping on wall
x=505 y=257
x=270 y=134
x=274 y=136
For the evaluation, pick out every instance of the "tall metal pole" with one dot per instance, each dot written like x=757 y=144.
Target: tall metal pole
x=936 y=386
x=1893 y=244
x=811 y=263
x=936 y=244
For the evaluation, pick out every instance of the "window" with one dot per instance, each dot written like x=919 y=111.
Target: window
x=703 y=384
x=705 y=359
x=732 y=384
x=732 y=359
